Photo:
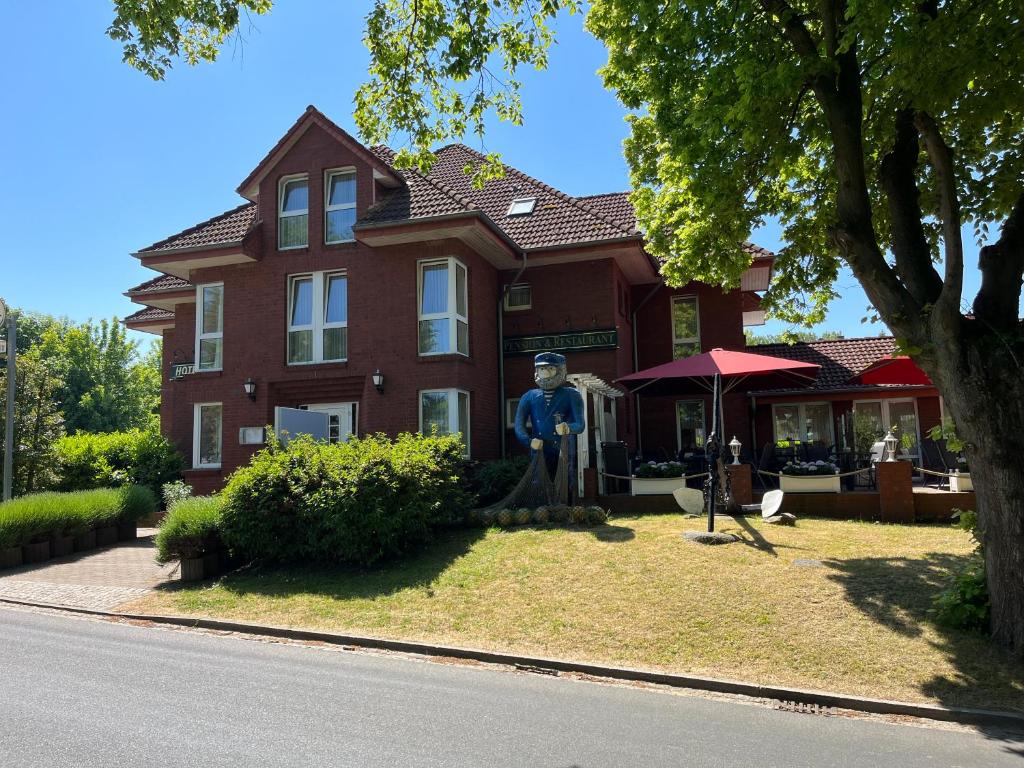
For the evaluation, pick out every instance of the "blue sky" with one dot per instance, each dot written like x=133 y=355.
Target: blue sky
x=102 y=161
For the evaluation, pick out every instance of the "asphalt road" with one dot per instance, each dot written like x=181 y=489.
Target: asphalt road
x=77 y=692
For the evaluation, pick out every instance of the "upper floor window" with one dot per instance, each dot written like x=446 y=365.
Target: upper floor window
x=293 y=213
x=519 y=296
x=318 y=318
x=340 y=206
x=685 y=327
x=443 y=307
x=210 y=327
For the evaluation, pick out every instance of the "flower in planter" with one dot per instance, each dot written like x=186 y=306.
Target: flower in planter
x=805 y=468
x=654 y=469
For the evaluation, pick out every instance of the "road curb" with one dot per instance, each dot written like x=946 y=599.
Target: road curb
x=967 y=716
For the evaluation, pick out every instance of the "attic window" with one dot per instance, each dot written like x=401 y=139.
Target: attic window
x=522 y=206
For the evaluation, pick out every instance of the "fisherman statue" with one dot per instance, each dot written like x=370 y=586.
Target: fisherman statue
x=554 y=409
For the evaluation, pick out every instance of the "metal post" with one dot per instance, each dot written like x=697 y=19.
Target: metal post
x=713 y=449
x=12 y=354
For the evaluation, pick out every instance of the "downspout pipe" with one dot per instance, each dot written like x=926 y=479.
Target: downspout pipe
x=501 y=355
x=636 y=357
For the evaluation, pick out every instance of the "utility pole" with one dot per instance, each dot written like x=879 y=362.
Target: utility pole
x=12 y=355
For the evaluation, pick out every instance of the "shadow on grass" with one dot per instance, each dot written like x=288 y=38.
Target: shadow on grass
x=417 y=570
x=897 y=592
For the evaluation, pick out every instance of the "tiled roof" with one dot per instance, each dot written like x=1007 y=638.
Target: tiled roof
x=160 y=284
x=228 y=227
x=840 y=359
x=149 y=315
x=557 y=219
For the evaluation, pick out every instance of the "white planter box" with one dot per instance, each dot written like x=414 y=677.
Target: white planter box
x=809 y=483
x=960 y=482
x=654 y=486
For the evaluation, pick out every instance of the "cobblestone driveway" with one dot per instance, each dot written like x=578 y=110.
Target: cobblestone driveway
x=100 y=579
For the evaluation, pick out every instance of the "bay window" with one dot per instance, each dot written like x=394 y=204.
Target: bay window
x=293 y=213
x=340 y=206
x=685 y=327
x=210 y=327
x=206 y=435
x=447 y=411
x=443 y=307
x=317 y=318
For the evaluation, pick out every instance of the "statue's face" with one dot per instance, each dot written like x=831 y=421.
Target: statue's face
x=549 y=376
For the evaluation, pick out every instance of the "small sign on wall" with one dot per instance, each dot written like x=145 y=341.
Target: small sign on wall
x=572 y=340
x=181 y=370
x=252 y=436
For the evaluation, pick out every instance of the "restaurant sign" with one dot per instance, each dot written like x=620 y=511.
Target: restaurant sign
x=561 y=342
x=181 y=370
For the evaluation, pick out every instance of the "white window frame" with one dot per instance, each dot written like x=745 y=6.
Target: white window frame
x=672 y=321
x=511 y=406
x=801 y=418
x=509 y=307
x=284 y=180
x=319 y=316
x=212 y=335
x=452 y=314
x=884 y=403
x=522 y=206
x=453 y=412
x=328 y=175
x=328 y=408
x=196 y=430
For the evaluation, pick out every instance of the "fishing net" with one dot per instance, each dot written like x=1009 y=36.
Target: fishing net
x=537 y=488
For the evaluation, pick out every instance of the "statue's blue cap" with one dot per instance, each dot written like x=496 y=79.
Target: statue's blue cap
x=548 y=358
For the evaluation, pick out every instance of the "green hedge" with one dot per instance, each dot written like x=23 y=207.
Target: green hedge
x=110 y=459
x=492 y=481
x=190 y=529
x=356 y=502
x=41 y=515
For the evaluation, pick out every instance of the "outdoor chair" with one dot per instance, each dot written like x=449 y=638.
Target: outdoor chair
x=770 y=504
x=934 y=460
x=691 y=500
x=767 y=464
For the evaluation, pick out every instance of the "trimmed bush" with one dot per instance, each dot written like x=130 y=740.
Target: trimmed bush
x=357 y=502
x=111 y=459
x=191 y=529
x=492 y=481
x=42 y=515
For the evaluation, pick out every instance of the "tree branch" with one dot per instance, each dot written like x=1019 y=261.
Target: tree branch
x=909 y=244
x=1002 y=270
x=949 y=207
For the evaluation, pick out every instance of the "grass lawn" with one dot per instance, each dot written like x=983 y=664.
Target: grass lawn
x=634 y=593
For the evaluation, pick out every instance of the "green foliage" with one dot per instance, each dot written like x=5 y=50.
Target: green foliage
x=190 y=529
x=964 y=603
x=174 y=491
x=41 y=515
x=137 y=457
x=492 y=481
x=865 y=433
x=789 y=337
x=357 y=502
x=947 y=431
x=655 y=469
x=38 y=423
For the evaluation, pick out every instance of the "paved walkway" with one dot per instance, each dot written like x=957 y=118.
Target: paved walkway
x=100 y=579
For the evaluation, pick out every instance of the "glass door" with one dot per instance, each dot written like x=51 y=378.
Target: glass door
x=903 y=416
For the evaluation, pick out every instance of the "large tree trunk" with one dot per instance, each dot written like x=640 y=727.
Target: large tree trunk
x=983 y=387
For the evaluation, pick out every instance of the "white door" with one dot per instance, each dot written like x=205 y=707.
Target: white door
x=342 y=419
x=898 y=414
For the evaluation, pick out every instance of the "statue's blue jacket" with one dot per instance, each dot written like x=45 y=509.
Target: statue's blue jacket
x=566 y=405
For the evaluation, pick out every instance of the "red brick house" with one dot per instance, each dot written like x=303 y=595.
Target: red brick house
x=339 y=267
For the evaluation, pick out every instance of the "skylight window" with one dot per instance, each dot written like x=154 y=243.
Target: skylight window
x=522 y=206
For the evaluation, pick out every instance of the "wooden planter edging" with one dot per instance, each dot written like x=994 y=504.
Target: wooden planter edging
x=10 y=557
x=61 y=546
x=106 y=536
x=85 y=541
x=37 y=552
x=208 y=566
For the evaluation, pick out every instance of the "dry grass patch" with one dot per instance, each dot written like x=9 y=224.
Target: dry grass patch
x=634 y=593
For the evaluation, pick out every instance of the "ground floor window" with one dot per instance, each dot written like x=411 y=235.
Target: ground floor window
x=447 y=410
x=342 y=420
x=511 y=406
x=803 y=423
x=690 y=425
x=882 y=415
x=206 y=436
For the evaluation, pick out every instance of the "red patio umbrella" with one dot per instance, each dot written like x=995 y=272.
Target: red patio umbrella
x=695 y=374
x=892 y=369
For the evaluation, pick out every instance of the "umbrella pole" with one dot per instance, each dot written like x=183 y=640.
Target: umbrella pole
x=713 y=450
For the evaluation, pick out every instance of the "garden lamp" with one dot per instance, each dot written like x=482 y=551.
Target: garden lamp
x=890 y=445
x=734 y=446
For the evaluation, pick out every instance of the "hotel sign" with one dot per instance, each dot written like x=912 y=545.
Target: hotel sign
x=562 y=342
x=181 y=370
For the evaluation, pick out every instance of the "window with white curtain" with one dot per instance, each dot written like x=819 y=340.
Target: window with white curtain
x=293 y=213
x=210 y=327
x=803 y=422
x=443 y=311
x=447 y=411
x=317 y=318
x=340 y=206
x=206 y=435
x=685 y=327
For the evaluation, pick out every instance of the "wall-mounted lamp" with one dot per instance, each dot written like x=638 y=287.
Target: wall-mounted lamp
x=378 y=380
x=250 y=388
